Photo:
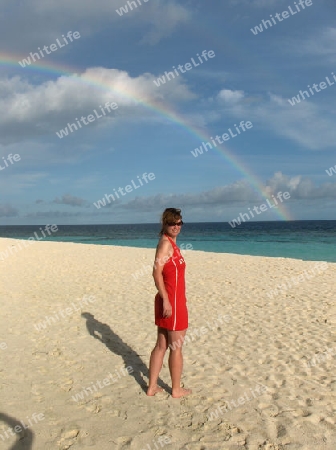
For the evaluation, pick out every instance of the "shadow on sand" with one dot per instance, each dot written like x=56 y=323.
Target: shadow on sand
x=22 y=443
x=104 y=334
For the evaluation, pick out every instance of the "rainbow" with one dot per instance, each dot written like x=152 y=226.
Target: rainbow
x=63 y=70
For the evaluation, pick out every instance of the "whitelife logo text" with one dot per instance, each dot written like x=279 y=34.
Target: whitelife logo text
x=281 y=17
x=303 y=95
x=90 y=118
x=53 y=47
x=131 y=5
x=242 y=127
x=128 y=188
x=11 y=159
x=168 y=76
x=281 y=196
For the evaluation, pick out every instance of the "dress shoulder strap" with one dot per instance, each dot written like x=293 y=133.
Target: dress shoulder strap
x=171 y=241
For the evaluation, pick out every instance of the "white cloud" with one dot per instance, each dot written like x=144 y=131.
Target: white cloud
x=33 y=110
x=240 y=192
x=306 y=123
x=222 y=200
x=301 y=187
x=174 y=15
x=70 y=200
x=320 y=45
x=230 y=96
x=236 y=192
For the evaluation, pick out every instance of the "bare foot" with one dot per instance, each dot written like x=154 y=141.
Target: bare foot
x=181 y=392
x=154 y=390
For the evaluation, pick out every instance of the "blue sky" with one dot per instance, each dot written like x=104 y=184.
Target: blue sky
x=154 y=129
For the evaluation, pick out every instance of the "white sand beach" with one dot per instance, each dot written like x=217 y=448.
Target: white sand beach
x=77 y=329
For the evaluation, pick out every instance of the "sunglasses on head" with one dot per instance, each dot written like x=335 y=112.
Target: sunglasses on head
x=173 y=210
x=172 y=224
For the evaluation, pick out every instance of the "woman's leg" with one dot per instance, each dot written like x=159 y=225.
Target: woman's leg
x=156 y=361
x=175 y=340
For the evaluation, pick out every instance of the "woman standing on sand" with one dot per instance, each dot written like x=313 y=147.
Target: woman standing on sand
x=171 y=314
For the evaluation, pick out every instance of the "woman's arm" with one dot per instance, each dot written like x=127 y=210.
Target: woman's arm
x=163 y=253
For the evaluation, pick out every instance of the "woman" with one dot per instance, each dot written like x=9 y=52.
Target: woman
x=171 y=314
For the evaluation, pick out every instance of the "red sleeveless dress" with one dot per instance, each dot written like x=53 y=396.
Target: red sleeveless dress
x=173 y=276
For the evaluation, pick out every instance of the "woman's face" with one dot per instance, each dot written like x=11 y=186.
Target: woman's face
x=172 y=228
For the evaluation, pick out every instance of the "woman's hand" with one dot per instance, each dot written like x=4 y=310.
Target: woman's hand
x=167 y=309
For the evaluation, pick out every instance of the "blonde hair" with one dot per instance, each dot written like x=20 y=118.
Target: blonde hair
x=169 y=215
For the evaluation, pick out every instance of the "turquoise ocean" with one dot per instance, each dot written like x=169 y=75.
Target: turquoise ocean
x=307 y=240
